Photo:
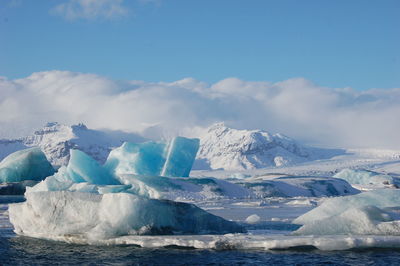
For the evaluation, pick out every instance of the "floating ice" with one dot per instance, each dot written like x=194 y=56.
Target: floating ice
x=28 y=164
x=365 y=177
x=86 y=200
x=253 y=219
x=174 y=158
x=16 y=188
x=197 y=189
x=369 y=213
x=64 y=214
x=83 y=168
x=297 y=186
x=180 y=157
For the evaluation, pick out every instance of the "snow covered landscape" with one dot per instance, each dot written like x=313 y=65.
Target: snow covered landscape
x=256 y=190
x=154 y=132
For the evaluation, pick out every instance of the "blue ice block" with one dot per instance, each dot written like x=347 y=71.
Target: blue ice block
x=180 y=157
x=28 y=164
x=173 y=158
x=83 y=168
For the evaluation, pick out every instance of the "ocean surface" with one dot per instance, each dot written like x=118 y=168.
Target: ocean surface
x=17 y=250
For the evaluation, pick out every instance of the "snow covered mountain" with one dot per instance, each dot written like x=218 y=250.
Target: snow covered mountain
x=55 y=140
x=232 y=149
x=220 y=147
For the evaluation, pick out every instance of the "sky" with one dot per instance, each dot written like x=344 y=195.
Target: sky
x=339 y=43
x=324 y=72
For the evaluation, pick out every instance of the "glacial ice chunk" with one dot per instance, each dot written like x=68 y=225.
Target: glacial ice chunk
x=253 y=219
x=374 y=212
x=180 y=157
x=83 y=168
x=63 y=215
x=297 y=186
x=28 y=164
x=365 y=177
x=174 y=158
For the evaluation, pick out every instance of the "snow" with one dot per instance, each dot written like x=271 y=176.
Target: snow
x=365 y=177
x=28 y=164
x=172 y=158
x=374 y=212
x=56 y=140
x=93 y=216
x=295 y=200
x=232 y=149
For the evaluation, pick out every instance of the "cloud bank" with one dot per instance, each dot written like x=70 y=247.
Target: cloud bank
x=334 y=117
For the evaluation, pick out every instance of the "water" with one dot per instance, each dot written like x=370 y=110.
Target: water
x=16 y=250
x=27 y=251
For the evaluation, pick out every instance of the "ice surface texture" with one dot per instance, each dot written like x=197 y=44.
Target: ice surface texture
x=87 y=200
x=83 y=168
x=295 y=186
x=173 y=158
x=28 y=164
x=369 y=213
x=67 y=214
x=365 y=177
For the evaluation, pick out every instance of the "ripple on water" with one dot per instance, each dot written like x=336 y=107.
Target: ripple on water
x=24 y=250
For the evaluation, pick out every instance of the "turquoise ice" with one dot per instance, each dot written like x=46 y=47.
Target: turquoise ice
x=173 y=158
x=28 y=164
x=83 y=168
x=180 y=157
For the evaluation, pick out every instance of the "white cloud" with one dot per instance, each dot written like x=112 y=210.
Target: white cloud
x=296 y=107
x=90 y=9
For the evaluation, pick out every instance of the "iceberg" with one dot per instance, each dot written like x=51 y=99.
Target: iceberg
x=180 y=157
x=174 y=158
x=86 y=200
x=369 y=213
x=297 y=186
x=63 y=215
x=83 y=168
x=365 y=177
x=28 y=164
x=197 y=189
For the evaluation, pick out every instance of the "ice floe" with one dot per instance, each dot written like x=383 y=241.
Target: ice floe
x=369 y=213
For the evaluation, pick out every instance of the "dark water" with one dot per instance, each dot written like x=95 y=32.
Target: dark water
x=15 y=250
x=27 y=251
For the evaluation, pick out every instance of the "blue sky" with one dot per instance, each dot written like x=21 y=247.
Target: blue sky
x=341 y=43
